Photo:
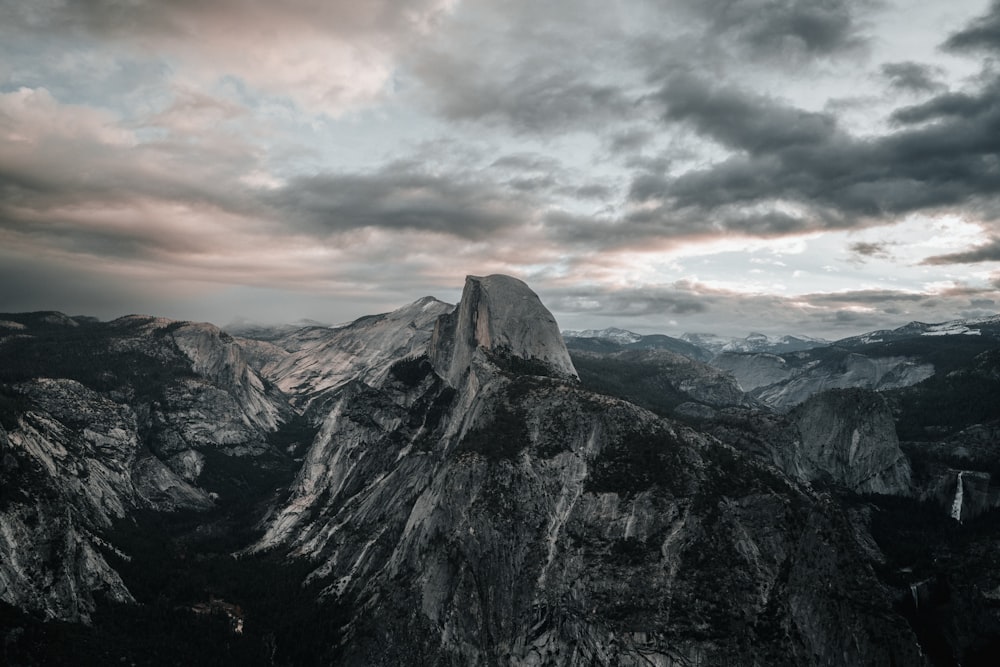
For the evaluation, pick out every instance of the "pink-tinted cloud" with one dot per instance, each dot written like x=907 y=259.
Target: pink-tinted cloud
x=327 y=56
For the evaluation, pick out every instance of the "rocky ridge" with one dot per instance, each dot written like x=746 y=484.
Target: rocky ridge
x=307 y=364
x=783 y=382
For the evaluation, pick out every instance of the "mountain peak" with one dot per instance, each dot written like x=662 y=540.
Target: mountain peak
x=501 y=315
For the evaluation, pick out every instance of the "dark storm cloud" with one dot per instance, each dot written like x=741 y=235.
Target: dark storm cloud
x=954 y=105
x=398 y=197
x=913 y=77
x=989 y=252
x=742 y=120
x=834 y=179
x=982 y=34
x=781 y=27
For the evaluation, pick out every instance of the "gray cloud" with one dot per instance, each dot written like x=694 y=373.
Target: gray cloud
x=533 y=97
x=328 y=57
x=400 y=197
x=191 y=20
x=742 y=120
x=988 y=252
x=678 y=299
x=873 y=297
x=862 y=251
x=695 y=307
x=913 y=77
x=769 y=28
x=629 y=141
x=956 y=106
x=835 y=180
x=982 y=34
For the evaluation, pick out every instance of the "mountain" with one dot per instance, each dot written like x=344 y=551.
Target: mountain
x=460 y=485
x=784 y=381
x=245 y=328
x=308 y=363
x=880 y=360
x=988 y=327
x=755 y=342
x=475 y=505
x=615 y=335
x=844 y=438
x=105 y=420
x=618 y=340
x=849 y=435
x=668 y=384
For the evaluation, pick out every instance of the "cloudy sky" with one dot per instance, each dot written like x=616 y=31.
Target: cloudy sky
x=821 y=167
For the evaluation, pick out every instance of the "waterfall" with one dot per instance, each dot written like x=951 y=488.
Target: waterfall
x=956 y=505
x=915 y=592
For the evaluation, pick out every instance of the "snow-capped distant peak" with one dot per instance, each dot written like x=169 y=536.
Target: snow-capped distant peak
x=950 y=329
x=620 y=336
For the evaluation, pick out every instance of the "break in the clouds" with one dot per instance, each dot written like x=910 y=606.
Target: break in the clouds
x=810 y=166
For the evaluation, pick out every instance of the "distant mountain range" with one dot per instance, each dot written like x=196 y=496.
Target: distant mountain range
x=700 y=346
x=704 y=346
x=985 y=326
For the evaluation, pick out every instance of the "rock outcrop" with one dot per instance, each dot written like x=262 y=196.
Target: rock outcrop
x=962 y=494
x=848 y=437
x=501 y=317
x=784 y=381
x=754 y=370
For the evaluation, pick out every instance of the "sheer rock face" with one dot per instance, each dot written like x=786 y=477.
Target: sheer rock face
x=976 y=497
x=782 y=385
x=850 y=437
x=500 y=316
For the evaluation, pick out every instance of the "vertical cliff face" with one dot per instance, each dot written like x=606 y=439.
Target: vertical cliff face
x=849 y=437
x=501 y=317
